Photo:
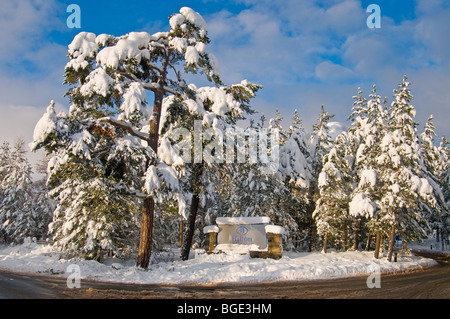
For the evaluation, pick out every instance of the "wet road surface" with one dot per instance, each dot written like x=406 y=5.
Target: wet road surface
x=431 y=283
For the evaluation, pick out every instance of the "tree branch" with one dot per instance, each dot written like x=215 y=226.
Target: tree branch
x=126 y=126
x=148 y=86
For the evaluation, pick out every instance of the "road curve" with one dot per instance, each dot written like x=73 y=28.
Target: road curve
x=431 y=283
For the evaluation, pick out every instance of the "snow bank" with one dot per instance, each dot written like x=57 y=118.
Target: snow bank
x=204 y=268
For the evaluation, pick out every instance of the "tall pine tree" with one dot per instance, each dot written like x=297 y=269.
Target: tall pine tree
x=403 y=186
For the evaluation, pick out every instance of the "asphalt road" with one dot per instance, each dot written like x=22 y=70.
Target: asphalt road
x=432 y=283
x=20 y=286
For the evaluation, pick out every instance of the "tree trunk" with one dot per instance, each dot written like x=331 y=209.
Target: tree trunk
x=391 y=243
x=344 y=241
x=187 y=240
x=146 y=236
x=369 y=242
x=356 y=226
x=325 y=243
x=377 y=244
x=181 y=234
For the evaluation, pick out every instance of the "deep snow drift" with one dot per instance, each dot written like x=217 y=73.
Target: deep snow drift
x=167 y=268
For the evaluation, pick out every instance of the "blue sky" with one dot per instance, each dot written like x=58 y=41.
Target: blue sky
x=305 y=53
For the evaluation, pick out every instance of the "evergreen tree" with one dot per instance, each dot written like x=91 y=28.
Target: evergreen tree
x=320 y=144
x=276 y=124
x=5 y=158
x=296 y=123
x=253 y=188
x=211 y=113
x=296 y=174
x=435 y=161
x=444 y=150
x=403 y=186
x=92 y=176
x=444 y=180
x=366 y=131
x=17 y=217
x=109 y=77
x=321 y=141
x=335 y=183
x=43 y=205
x=91 y=219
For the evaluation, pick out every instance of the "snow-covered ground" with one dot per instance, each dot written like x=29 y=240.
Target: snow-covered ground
x=167 y=268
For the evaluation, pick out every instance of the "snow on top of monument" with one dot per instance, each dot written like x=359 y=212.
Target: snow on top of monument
x=243 y=220
x=210 y=229
x=274 y=229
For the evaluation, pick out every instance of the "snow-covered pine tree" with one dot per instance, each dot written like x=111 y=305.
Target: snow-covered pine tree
x=444 y=149
x=109 y=77
x=259 y=194
x=206 y=114
x=319 y=145
x=5 y=154
x=92 y=174
x=403 y=186
x=368 y=121
x=43 y=206
x=92 y=218
x=435 y=163
x=321 y=141
x=296 y=174
x=275 y=123
x=255 y=191
x=297 y=123
x=335 y=183
x=16 y=213
x=5 y=159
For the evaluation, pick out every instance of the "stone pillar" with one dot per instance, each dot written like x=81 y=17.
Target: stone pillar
x=210 y=238
x=275 y=248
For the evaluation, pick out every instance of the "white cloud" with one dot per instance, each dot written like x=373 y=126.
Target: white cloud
x=320 y=52
x=304 y=53
x=21 y=25
x=328 y=70
x=19 y=122
x=31 y=68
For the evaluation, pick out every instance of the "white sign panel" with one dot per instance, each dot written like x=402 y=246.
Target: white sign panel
x=243 y=232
